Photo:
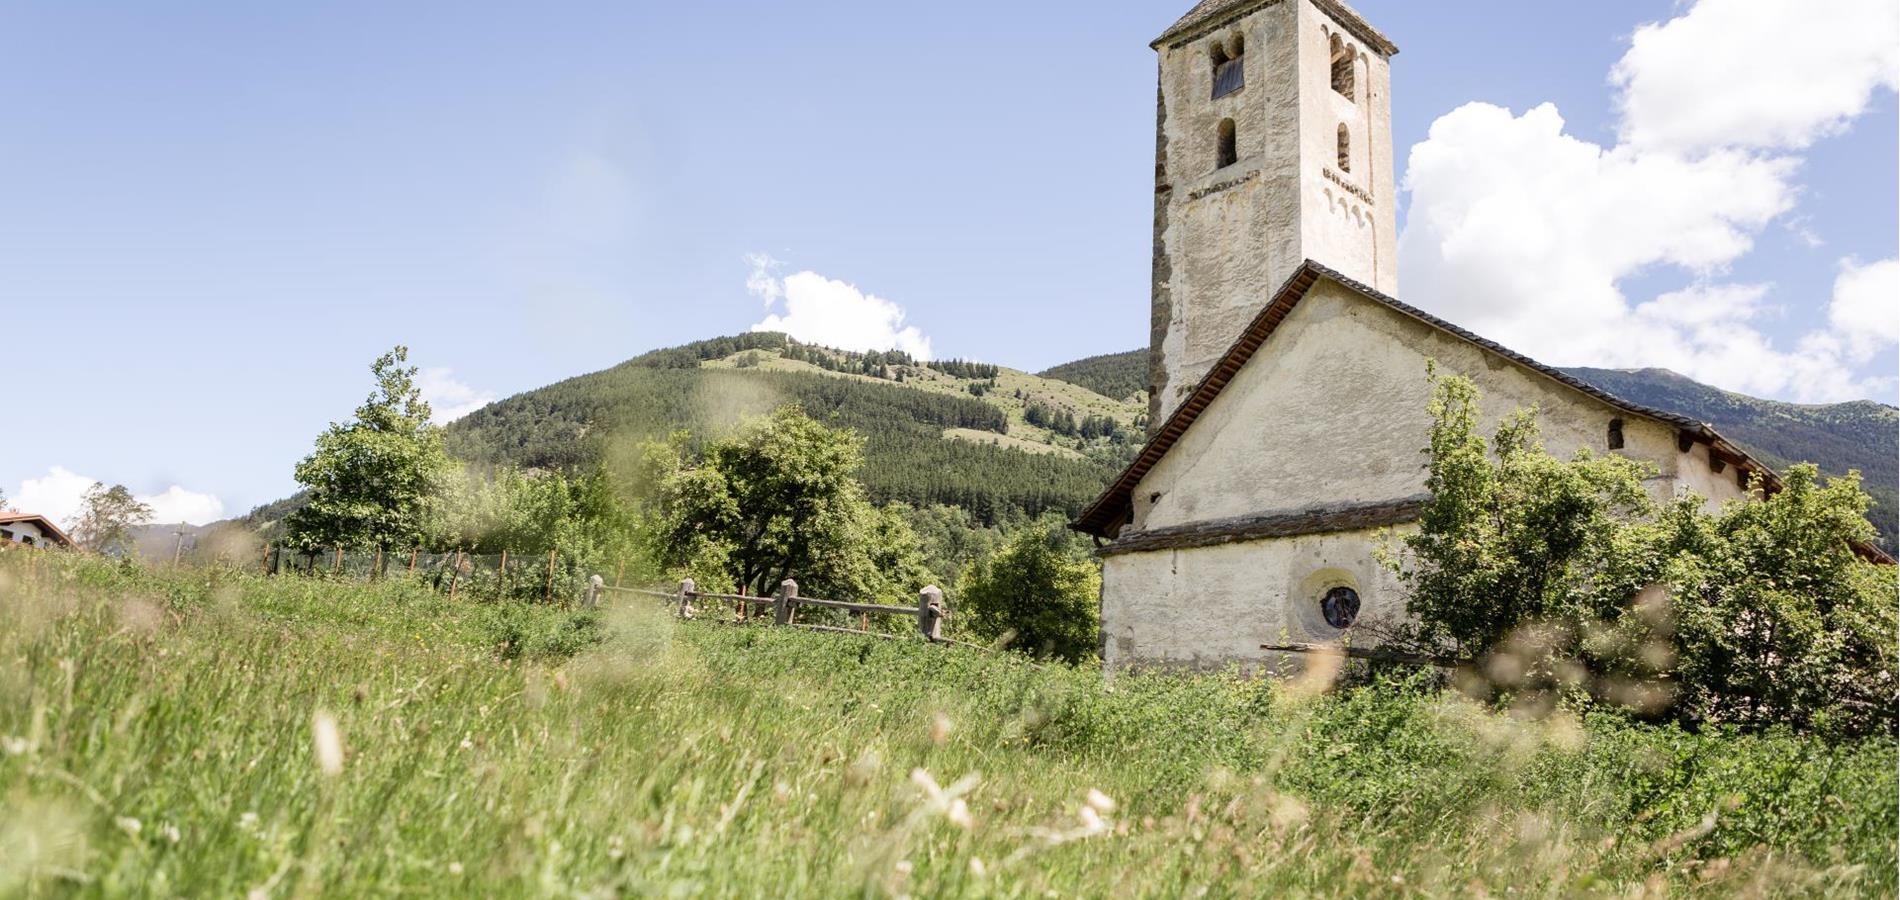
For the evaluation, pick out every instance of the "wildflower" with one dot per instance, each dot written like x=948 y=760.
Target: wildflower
x=977 y=868
x=468 y=744
x=170 y=833
x=903 y=867
x=248 y=822
x=329 y=743
x=1091 y=820
x=455 y=868
x=130 y=825
x=1100 y=801
x=15 y=746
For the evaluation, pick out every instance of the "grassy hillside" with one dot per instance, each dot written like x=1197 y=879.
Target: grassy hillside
x=1861 y=435
x=1122 y=375
x=214 y=735
x=1004 y=445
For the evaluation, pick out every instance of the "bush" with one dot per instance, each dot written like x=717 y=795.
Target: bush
x=1040 y=592
x=1564 y=577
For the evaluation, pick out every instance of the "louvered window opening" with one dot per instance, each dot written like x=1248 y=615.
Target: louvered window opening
x=1229 y=77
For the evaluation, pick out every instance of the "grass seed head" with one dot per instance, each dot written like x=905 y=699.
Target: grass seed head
x=329 y=743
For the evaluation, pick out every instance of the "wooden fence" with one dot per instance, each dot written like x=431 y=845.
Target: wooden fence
x=928 y=614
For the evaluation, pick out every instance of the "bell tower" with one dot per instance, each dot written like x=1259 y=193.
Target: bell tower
x=1273 y=145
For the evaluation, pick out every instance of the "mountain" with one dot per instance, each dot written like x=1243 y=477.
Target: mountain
x=1111 y=374
x=1001 y=443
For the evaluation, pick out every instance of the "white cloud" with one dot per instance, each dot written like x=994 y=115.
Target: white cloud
x=1756 y=73
x=820 y=310
x=1866 y=306
x=1525 y=233
x=175 y=504
x=762 y=282
x=448 y=398
x=60 y=493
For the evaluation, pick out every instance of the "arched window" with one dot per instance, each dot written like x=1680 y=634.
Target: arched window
x=1342 y=68
x=1226 y=153
x=1345 y=148
x=1230 y=73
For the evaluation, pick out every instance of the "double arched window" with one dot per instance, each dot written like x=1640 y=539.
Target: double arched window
x=1230 y=71
x=1343 y=68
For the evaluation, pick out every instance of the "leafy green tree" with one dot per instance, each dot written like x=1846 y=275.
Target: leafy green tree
x=1565 y=575
x=780 y=499
x=1777 y=619
x=372 y=482
x=1512 y=535
x=107 y=518
x=1041 y=591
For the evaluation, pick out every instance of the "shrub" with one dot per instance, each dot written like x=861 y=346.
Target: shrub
x=1565 y=577
x=1039 y=591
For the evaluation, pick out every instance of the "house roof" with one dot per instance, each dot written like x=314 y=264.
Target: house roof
x=1112 y=508
x=1208 y=15
x=44 y=524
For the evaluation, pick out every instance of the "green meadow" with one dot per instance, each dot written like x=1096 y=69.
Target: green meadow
x=211 y=734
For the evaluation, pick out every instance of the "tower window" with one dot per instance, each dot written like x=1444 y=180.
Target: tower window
x=1616 y=434
x=1230 y=73
x=1226 y=154
x=1342 y=68
x=1345 y=148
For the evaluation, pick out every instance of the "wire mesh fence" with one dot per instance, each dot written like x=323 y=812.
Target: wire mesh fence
x=539 y=577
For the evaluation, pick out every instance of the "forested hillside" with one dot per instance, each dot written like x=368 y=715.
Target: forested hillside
x=1000 y=443
x=1120 y=375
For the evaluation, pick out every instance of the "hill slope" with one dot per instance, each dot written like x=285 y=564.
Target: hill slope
x=997 y=442
x=1111 y=374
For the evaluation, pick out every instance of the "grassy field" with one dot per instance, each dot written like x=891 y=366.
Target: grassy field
x=212 y=734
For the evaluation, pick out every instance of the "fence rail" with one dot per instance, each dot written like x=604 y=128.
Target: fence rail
x=929 y=613
x=532 y=576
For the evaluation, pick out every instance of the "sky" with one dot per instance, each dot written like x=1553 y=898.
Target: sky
x=213 y=216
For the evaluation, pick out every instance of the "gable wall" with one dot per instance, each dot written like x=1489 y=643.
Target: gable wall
x=1331 y=410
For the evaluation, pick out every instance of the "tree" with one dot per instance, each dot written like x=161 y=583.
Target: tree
x=1565 y=577
x=1040 y=590
x=107 y=517
x=780 y=499
x=371 y=482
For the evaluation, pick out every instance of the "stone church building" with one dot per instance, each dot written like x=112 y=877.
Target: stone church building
x=1288 y=385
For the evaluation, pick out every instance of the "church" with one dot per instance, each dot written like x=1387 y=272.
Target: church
x=1288 y=383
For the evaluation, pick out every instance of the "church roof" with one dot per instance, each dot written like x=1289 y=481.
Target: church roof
x=1208 y=15
x=1112 y=508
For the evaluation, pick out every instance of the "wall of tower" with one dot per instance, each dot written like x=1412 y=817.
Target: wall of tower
x=1225 y=236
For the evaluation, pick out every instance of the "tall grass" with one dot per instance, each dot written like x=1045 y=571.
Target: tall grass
x=166 y=734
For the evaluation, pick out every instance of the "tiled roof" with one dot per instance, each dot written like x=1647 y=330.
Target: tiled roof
x=1109 y=510
x=1210 y=14
x=44 y=524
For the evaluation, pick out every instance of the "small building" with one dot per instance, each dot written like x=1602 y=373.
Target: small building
x=32 y=530
x=1288 y=383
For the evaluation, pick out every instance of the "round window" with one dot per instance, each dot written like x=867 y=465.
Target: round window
x=1340 y=606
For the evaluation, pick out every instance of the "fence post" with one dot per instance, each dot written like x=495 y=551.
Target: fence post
x=338 y=568
x=687 y=589
x=930 y=613
x=412 y=559
x=595 y=584
x=267 y=559
x=455 y=574
x=782 y=608
x=377 y=570
x=548 y=596
x=501 y=581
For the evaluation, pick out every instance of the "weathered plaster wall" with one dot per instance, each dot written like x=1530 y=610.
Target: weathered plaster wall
x=1226 y=237
x=1349 y=221
x=1331 y=409
x=1209 y=606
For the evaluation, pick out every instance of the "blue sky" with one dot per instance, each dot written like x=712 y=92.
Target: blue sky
x=213 y=216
